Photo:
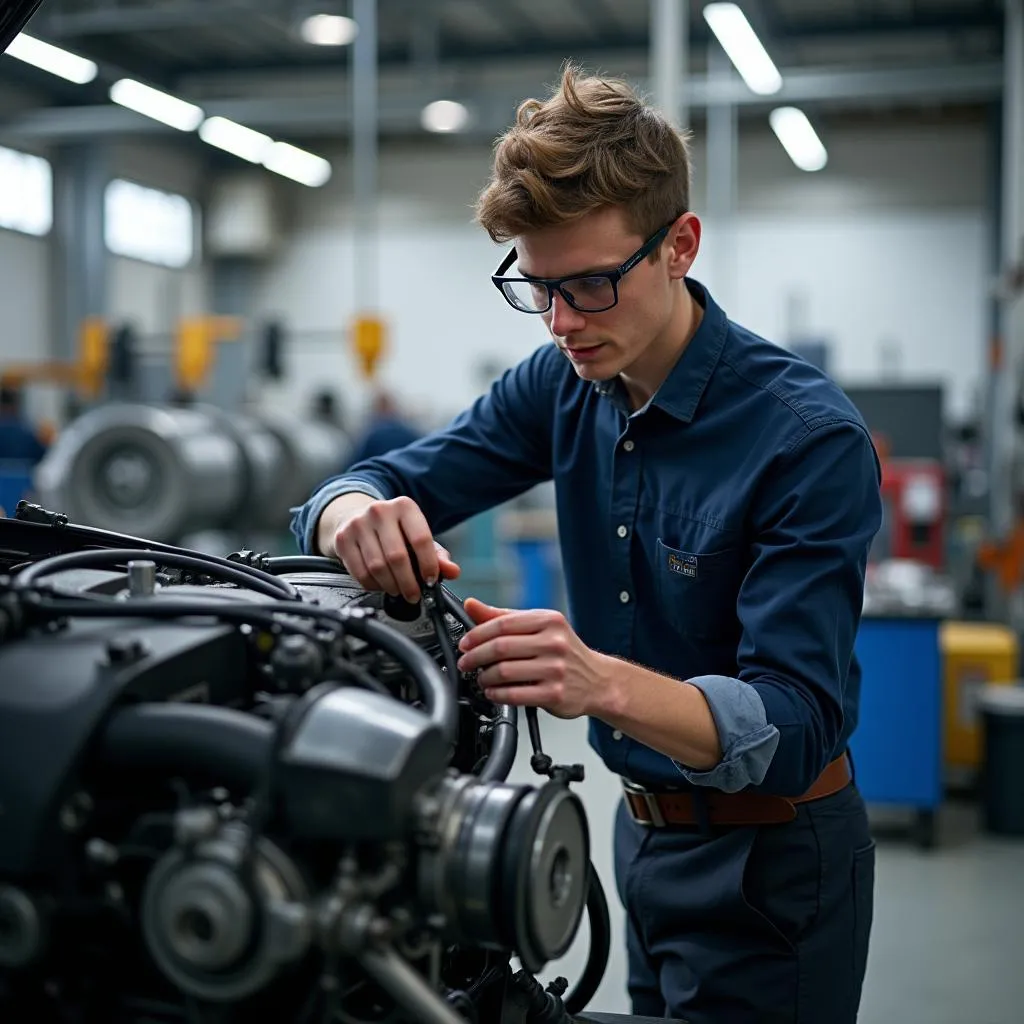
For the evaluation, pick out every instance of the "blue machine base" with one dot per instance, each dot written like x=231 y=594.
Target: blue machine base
x=897 y=746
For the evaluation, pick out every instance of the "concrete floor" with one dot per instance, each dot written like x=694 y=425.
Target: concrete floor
x=948 y=941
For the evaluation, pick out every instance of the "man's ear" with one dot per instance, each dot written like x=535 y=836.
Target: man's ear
x=683 y=243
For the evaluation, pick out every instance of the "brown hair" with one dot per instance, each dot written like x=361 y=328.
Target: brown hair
x=593 y=143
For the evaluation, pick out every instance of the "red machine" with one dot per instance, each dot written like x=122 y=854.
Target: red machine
x=914 y=496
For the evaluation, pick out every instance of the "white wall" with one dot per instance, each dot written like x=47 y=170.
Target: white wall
x=24 y=305
x=152 y=297
x=886 y=246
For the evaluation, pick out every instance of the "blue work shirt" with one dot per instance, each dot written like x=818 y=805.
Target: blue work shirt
x=718 y=535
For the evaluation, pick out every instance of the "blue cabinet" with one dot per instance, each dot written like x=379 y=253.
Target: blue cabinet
x=897 y=746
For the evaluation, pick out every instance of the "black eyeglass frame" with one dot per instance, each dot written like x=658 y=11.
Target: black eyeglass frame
x=553 y=284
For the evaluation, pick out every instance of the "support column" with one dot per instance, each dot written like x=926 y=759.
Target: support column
x=79 y=278
x=670 y=64
x=1007 y=351
x=364 y=155
x=722 y=144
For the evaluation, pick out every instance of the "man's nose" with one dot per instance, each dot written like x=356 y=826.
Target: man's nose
x=564 y=319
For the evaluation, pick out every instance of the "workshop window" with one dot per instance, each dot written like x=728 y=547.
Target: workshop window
x=149 y=225
x=26 y=193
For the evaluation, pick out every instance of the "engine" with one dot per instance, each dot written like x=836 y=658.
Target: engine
x=243 y=786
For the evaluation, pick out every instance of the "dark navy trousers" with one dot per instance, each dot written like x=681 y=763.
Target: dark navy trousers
x=750 y=925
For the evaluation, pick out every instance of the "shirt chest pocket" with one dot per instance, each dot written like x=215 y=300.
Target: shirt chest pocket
x=697 y=590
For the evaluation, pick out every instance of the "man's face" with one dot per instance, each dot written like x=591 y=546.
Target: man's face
x=634 y=336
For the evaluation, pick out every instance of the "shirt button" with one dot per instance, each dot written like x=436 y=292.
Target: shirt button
x=628 y=445
x=622 y=531
x=616 y=735
x=624 y=596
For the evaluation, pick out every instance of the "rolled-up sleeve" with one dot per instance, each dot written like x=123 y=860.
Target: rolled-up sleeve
x=780 y=719
x=498 y=448
x=748 y=741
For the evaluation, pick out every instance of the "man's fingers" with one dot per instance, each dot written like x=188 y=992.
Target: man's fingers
x=492 y=622
x=395 y=547
x=541 y=695
x=507 y=647
x=378 y=573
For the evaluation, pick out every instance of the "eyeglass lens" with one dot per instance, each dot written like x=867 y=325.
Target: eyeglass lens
x=588 y=294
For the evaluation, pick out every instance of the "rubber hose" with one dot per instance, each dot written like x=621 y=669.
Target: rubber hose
x=504 y=741
x=600 y=947
x=281 y=564
x=230 y=746
x=104 y=558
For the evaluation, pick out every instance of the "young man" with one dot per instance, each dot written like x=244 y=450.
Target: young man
x=716 y=500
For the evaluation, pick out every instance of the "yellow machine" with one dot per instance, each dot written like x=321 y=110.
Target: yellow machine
x=974 y=654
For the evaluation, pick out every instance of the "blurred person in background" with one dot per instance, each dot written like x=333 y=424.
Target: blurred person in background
x=19 y=443
x=717 y=497
x=385 y=430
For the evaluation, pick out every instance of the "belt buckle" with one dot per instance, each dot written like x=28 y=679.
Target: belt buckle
x=657 y=818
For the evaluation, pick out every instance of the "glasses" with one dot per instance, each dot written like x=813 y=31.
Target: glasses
x=587 y=293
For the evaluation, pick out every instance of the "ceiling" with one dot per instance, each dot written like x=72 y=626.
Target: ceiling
x=245 y=58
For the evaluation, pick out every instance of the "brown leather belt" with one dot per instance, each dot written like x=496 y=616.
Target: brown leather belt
x=744 y=808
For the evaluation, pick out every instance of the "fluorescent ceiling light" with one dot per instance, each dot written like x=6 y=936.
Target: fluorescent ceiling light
x=328 y=30
x=297 y=164
x=798 y=138
x=235 y=138
x=160 y=106
x=52 y=58
x=444 y=116
x=743 y=48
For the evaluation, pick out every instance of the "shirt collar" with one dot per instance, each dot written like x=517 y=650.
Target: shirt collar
x=683 y=388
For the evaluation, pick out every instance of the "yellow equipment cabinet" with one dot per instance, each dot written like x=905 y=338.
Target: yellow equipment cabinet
x=974 y=654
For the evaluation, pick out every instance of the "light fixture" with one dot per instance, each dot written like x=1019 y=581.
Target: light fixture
x=52 y=58
x=444 y=116
x=297 y=164
x=744 y=49
x=798 y=138
x=160 y=106
x=235 y=139
x=328 y=30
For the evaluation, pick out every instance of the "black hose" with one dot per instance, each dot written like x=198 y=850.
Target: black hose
x=504 y=739
x=280 y=564
x=506 y=728
x=107 y=539
x=600 y=946
x=229 y=746
x=105 y=558
x=92 y=607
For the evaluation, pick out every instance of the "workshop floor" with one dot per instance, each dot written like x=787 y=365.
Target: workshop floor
x=948 y=941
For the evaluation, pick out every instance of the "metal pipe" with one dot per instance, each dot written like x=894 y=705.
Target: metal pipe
x=722 y=144
x=1005 y=357
x=669 y=58
x=406 y=987
x=364 y=153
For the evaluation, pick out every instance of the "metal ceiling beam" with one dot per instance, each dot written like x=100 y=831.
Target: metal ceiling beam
x=118 y=19
x=328 y=114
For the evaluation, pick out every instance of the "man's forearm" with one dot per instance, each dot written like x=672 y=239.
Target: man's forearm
x=670 y=716
x=334 y=515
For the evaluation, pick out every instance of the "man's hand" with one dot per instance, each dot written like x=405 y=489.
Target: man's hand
x=532 y=658
x=373 y=540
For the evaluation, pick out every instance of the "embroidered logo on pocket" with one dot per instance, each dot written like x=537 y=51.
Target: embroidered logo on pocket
x=685 y=565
